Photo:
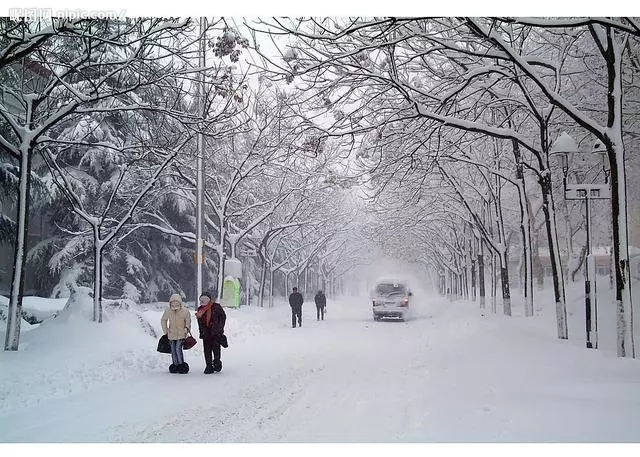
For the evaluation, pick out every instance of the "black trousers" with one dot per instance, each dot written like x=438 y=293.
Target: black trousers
x=296 y=312
x=211 y=345
x=320 y=312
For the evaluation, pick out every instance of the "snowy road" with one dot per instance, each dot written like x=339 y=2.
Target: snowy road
x=443 y=376
x=336 y=380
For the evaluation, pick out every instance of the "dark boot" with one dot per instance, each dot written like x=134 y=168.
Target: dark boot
x=183 y=368
x=217 y=366
x=173 y=368
x=208 y=369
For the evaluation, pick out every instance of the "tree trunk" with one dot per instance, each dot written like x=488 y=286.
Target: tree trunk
x=506 y=290
x=263 y=280
x=473 y=280
x=494 y=304
x=525 y=232
x=615 y=151
x=536 y=264
x=97 y=275
x=554 y=256
x=465 y=283
x=481 y=280
x=286 y=283
x=474 y=260
x=503 y=255
x=271 y=273
x=471 y=262
x=14 y=315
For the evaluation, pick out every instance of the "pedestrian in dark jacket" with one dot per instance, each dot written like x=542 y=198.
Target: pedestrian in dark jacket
x=321 y=303
x=295 y=301
x=211 y=319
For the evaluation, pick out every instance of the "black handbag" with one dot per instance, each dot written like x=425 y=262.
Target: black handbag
x=163 y=345
x=222 y=339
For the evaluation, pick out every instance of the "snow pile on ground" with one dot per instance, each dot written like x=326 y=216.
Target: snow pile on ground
x=37 y=308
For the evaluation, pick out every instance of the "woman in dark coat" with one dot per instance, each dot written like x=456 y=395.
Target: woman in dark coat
x=211 y=319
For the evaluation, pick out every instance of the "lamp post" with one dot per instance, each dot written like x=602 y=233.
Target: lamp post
x=566 y=147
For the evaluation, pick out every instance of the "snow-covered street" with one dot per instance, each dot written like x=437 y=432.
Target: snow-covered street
x=449 y=374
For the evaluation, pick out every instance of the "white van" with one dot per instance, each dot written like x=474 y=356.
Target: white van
x=390 y=298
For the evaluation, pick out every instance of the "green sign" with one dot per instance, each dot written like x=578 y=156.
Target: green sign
x=231 y=293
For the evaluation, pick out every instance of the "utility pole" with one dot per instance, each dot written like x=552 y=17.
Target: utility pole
x=200 y=91
x=591 y=301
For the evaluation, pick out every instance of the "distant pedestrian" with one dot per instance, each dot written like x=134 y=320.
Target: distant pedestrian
x=176 y=324
x=321 y=304
x=211 y=320
x=295 y=301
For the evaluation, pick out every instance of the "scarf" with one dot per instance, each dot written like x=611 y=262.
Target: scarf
x=207 y=312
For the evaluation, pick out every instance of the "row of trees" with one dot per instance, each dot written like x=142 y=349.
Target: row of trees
x=456 y=118
x=445 y=125
x=99 y=128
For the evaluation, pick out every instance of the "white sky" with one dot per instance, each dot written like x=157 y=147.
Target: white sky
x=341 y=7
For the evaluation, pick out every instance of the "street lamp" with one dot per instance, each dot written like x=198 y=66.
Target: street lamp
x=566 y=147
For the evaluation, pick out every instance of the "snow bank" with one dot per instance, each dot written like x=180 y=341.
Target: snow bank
x=70 y=353
x=38 y=307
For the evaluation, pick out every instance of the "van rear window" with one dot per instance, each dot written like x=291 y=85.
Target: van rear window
x=390 y=289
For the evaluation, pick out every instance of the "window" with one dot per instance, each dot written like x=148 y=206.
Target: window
x=388 y=289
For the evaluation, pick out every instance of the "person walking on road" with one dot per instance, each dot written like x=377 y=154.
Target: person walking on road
x=321 y=304
x=211 y=319
x=295 y=301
